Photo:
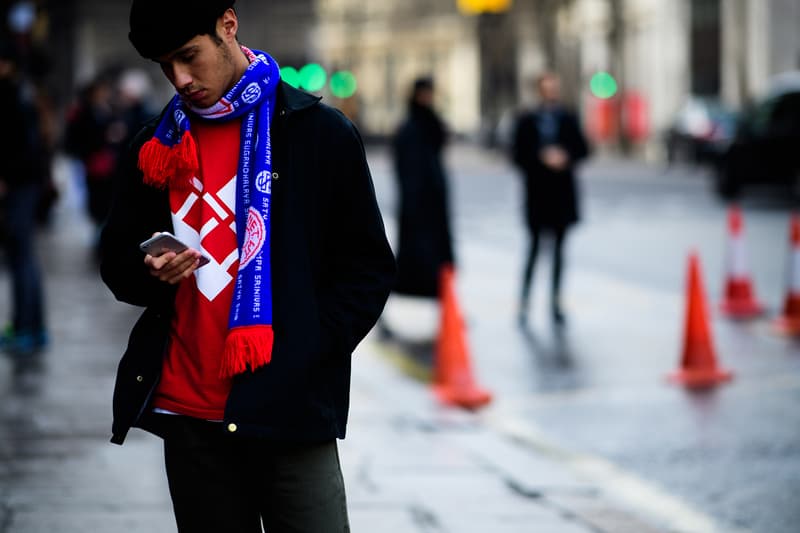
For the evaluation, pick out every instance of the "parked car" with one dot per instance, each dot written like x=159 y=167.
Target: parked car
x=766 y=147
x=701 y=131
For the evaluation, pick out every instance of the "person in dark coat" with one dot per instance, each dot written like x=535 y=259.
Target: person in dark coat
x=22 y=172
x=425 y=242
x=548 y=144
x=93 y=136
x=242 y=365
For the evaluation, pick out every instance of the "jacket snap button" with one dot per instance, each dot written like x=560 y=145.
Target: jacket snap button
x=275 y=175
x=139 y=378
x=232 y=428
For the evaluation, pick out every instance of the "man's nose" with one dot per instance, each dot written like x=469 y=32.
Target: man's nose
x=181 y=77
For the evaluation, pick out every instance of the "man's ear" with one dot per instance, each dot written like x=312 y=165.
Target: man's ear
x=229 y=24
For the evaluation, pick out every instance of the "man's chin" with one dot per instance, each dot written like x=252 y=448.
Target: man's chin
x=203 y=101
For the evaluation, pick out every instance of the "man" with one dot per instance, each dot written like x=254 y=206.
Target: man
x=548 y=143
x=242 y=366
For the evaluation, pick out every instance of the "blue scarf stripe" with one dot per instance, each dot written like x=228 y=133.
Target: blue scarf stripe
x=253 y=97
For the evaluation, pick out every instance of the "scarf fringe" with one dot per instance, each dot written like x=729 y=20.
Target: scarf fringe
x=169 y=166
x=246 y=347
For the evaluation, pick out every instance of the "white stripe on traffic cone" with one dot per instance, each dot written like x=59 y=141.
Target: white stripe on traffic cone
x=789 y=322
x=739 y=300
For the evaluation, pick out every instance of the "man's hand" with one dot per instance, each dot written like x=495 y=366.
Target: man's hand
x=171 y=267
x=554 y=157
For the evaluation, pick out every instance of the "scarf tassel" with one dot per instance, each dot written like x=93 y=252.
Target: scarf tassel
x=246 y=347
x=164 y=165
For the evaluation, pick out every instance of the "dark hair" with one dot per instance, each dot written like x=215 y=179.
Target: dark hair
x=214 y=36
x=158 y=27
x=422 y=83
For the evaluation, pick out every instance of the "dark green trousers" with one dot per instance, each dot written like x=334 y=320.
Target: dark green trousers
x=225 y=485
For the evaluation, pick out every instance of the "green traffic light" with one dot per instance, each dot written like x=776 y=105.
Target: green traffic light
x=603 y=85
x=343 y=84
x=290 y=76
x=313 y=77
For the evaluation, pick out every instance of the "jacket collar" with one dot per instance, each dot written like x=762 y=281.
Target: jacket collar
x=291 y=99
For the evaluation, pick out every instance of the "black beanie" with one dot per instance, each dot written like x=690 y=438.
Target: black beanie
x=161 y=26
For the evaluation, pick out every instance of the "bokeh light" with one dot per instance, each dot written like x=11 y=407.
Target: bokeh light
x=343 y=84
x=290 y=76
x=603 y=85
x=313 y=77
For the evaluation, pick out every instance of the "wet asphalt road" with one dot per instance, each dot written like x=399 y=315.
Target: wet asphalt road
x=599 y=386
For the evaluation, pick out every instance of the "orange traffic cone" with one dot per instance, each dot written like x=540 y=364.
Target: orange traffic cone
x=740 y=300
x=698 y=364
x=789 y=322
x=453 y=380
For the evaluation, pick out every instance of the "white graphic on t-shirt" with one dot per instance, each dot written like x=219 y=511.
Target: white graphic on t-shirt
x=213 y=277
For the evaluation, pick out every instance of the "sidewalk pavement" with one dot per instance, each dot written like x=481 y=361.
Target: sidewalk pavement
x=410 y=465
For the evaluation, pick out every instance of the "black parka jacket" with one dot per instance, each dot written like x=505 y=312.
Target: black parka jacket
x=332 y=270
x=425 y=242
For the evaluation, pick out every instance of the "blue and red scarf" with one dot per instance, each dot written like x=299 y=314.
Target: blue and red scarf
x=169 y=160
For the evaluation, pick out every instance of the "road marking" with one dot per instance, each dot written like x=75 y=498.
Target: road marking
x=626 y=488
x=401 y=360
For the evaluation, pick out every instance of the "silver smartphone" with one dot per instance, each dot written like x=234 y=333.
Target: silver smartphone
x=167 y=242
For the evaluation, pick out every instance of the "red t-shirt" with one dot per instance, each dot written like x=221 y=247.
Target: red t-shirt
x=203 y=217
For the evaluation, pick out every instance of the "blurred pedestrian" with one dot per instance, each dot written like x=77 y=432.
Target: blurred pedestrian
x=242 y=366
x=21 y=178
x=94 y=135
x=425 y=241
x=26 y=31
x=133 y=102
x=548 y=143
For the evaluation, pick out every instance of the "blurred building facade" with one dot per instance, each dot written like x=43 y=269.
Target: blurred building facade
x=485 y=64
x=761 y=38
x=387 y=44
x=660 y=52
